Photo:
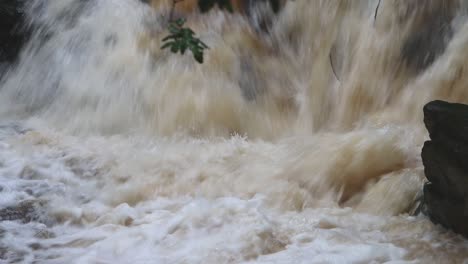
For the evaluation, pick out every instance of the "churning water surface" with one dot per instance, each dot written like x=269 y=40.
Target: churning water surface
x=297 y=141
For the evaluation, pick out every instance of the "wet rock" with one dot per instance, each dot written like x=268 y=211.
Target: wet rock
x=25 y=212
x=45 y=234
x=12 y=31
x=274 y=4
x=430 y=34
x=445 y=210
x=444 y=158
x=245 y=6
x=447 y=123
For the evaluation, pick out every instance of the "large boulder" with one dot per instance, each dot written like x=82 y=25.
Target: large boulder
x=445 y=159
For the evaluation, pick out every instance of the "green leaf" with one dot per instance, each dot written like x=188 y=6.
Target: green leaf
x=188 y=32
x=182 y=38
x=167 y=45
x=183 y=48
x=180 y=22
x=168 y=38
x=198 y=57
x=203 y=45
x=174 y=30
x=175 y=47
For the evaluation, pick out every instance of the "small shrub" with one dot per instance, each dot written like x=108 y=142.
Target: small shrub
x=183 y=38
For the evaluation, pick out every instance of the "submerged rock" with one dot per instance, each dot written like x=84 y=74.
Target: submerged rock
x=445 y=166
x=24 y=212
x=432 y=30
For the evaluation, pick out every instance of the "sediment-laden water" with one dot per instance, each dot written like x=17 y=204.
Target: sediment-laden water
x=297 y=141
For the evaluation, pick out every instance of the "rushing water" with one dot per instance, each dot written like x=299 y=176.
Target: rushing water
x=297 y=141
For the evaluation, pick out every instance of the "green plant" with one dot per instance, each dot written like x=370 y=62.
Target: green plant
x=183 y=38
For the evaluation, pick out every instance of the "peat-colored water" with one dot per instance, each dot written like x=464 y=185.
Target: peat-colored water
x=297 y=141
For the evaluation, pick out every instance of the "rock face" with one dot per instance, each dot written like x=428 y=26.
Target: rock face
x=243 y=6
x=445 y=160
x=12 y=33
x=431 y=31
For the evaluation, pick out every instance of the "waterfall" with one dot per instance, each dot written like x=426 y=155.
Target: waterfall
x=297 y=140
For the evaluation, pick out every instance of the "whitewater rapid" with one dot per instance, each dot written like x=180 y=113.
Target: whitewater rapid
x=299 y=143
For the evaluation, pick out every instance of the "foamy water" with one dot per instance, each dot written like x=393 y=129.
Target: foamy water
x=264 y=154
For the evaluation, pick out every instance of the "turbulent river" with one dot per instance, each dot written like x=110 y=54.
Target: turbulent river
x=297 y=141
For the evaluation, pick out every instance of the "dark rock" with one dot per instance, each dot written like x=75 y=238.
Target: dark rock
x=422 y=48
x=446 y=211
x=444 y=171
x=25 y=212
x=274 y=4
x=445 y=166
x=13 y=33
x=447 y=122
x=431 y=32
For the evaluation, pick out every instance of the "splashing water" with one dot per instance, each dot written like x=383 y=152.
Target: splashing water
x=297 y=141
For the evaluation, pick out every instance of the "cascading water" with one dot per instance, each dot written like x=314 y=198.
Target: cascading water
x=296 y=141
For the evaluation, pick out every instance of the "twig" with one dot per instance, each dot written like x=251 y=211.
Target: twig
x=376 y=11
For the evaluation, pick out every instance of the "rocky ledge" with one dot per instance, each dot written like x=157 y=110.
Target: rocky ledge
x=445 y=159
